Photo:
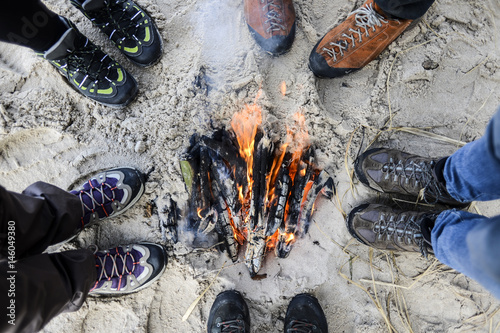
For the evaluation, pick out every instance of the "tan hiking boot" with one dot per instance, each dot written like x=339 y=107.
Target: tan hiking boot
x=271 y=23
x=355 y=42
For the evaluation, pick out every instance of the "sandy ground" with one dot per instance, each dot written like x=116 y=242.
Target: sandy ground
x=48 y=132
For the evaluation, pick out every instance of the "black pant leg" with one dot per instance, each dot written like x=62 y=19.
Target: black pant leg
x=30 y=23
x=35 y=290
x=405 y=9
x=41 y=216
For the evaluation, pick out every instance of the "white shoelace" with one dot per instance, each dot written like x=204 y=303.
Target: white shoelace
x=366 y=18
x=273 y=16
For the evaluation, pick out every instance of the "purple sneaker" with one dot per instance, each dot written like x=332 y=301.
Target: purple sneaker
x=128 y=268
x=109 y=193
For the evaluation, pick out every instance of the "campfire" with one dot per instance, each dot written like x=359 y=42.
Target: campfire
x=252 y=190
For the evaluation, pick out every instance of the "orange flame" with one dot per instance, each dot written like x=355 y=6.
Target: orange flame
x=283 y=88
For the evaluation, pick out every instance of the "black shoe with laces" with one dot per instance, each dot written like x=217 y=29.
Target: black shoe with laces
x=127 y=25
x=394 y=171
x=305 y=315
x=89 y=70
x=229 y=313
x=385 y=228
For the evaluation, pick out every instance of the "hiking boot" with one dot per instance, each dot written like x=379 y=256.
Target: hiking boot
x=304 y=314
x=89 y=70
x=128 y=26
x=355 y=42
x=229 y=313
x=271 y=23
x=128 y=268
x=109 y=194
x=394 y=171
x=385 y=228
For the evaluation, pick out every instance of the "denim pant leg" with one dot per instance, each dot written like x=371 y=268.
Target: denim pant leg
x=472 y=173
x=469 y=243
x=405 y=9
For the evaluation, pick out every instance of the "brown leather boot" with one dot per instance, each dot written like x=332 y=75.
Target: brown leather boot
x=386 y=228
x=271 y=23
x=355 y=42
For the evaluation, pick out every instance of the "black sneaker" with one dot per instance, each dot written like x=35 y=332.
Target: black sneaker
x=127 y=25
x=229 y=313
x=89 y=70
x=385 y=228
x=126 y=269
x=304 y=314
x=109 y=194
x=394 y=171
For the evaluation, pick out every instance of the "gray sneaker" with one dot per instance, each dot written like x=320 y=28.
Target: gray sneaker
x=385 y=228
x=128 y=268
x=394 y=171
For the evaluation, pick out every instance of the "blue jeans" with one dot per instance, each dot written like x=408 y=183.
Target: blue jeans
x=467 y=242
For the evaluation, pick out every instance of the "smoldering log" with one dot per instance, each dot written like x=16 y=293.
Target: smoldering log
x=323 y=183
x=207 y=220
x=277 y=208
x=204 y=178
x=230 y=153
x=169 y=218
x=304 y=172
x=283 y=246
x=222 y=175
x=259 y=169
x=223 y=224
x=255 y=251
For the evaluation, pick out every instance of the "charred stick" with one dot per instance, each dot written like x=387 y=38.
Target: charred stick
x=260 y=165
x=256 y=248
x=322 y=184
x=223 y=226
x=296 y=195
x=278 y=205
x=222 y=175
x=205 y=197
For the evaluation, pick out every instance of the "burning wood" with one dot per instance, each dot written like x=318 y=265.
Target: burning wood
x=247 y=187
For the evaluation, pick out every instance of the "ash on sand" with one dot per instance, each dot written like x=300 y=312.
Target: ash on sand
x=50 y=133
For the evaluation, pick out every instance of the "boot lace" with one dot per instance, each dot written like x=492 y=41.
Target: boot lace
x=232 y=326
x=115 y=272
x=301 y=327
x=95 y=204
x=419 y=175
x=404 y=229
x=87 y=59
x=124 y=25
x=273 y=15
x=366 y=18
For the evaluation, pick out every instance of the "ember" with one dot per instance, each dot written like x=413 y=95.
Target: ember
x=252 y=190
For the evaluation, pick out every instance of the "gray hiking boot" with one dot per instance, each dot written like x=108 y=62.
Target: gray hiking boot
x=126 y=269
x=385 y=228
x=394 y=171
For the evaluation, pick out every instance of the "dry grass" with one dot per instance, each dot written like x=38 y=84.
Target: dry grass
x=197 y=300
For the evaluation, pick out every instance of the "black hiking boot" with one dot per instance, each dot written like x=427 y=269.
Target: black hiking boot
x=229 y=313
x=128 y=26
x=89 y=70
x=304 y=314
x=394 y=171
x=385 y=228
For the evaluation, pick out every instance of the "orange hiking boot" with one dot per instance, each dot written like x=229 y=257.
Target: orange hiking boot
x=355 y=42
x=271 y=23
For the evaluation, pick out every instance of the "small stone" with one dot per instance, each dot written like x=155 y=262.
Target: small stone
x=140 y=147
x=430 y=65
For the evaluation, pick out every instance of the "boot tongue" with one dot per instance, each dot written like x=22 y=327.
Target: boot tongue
x=64 y=46
x=93 y=5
